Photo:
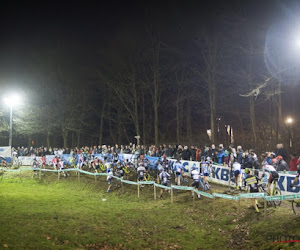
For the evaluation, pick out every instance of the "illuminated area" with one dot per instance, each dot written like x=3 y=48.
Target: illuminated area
x=289 y=120
x=13 y=100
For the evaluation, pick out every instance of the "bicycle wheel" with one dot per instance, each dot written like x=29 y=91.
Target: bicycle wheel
x=296 y=207
x=208 y=189
x=277 y=192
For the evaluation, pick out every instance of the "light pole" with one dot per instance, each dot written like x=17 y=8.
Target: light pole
x=289 y=122
x=10 y=101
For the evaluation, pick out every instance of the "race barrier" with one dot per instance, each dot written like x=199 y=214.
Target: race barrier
x=186 y=188
x=220 y=174
x=171 y=187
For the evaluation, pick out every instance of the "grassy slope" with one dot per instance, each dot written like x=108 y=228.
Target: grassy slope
x=68 y=214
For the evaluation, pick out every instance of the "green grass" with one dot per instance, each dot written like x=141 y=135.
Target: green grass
x=52 y=214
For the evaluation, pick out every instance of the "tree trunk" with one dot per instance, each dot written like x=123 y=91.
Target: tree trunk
x=157 y=90
x=177 y=122
x=73 y=139
x=188 y=122
x=271 y=123
x=252 y=118
x=48 y=139
x=280 y=121
x=212 y=105
x=29 y=140
x=65 y=133
x=101 y=124
x=78 y=139
x=54 y=141
x=136 y=114
x=144 y=122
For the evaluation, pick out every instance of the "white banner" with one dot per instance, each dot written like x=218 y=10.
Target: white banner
x=5 y=152
x=221 y=175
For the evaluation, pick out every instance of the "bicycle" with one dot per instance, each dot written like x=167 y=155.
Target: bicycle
x=148 y=177
x=204 y=185
x=16 y=163
x=296 y=204
x=275 y=191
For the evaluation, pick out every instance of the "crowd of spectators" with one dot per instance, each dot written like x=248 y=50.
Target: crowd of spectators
x=221 y=155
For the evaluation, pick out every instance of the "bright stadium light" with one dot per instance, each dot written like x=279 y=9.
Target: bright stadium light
x=12 y=101
x=289 y=120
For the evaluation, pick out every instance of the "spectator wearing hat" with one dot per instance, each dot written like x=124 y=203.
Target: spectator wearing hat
x=281 y=164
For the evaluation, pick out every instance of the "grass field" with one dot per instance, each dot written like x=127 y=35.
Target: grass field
x=52 y=214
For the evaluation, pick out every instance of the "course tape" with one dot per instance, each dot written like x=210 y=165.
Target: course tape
x=182 y=188
x=162 y=186
x=204 y=194
x=146 y=182
x=130 y=182
x=282 y=197
x=252 y=195
x=225 y=196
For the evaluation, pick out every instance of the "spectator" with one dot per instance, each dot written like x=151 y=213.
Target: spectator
x=207 y=152
x=214 y=153
x=169 y=151
x=294 y=162
x=193 y=153
x=281 y=151
x=239 y=154
x=281 y=164
x=186 y=154
x=220 y=154
x=198 y=154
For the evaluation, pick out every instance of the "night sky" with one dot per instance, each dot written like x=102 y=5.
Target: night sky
x=89 y=36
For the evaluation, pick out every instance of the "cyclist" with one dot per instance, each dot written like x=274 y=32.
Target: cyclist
x=296 y=178
x=115 y=158
x=55 y=161
x=273 y=174
x=237 y=173
x=141 y=171
x=80 y=161
x=95 y=163
x=178 y=168
x=195 y=174
x=164 y=180
x=34 y=166
x=205 y=167
x=61 y=164
x=72 y=161
x=109 y=177
x=120 y=167
x=43 y=159
x=165 y=163
x=252 y=181
x=146 y=163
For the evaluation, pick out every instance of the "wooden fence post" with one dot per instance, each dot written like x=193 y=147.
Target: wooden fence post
x=265 y=209
x=154 y=189
x=193 y=198
x=239 y=207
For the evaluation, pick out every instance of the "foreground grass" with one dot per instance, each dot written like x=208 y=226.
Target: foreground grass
x=47 y=214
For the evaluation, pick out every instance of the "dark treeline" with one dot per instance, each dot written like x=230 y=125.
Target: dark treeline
x=167 y=74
